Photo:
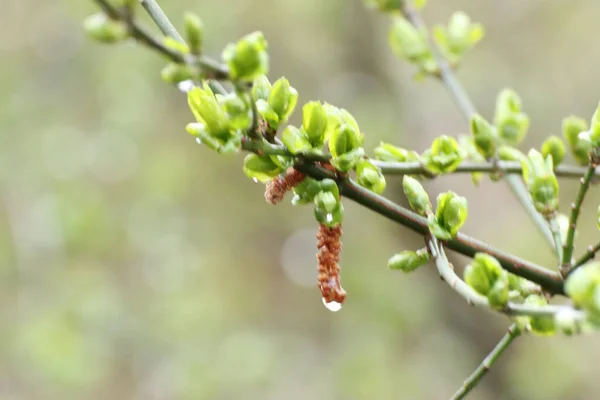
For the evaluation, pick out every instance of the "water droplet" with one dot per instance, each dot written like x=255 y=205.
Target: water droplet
x=198 y=140
x=329 y=218
x=255 y=180
x=185 y=86
x=332 y=306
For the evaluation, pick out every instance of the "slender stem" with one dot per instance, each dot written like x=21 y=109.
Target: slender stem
x=484 y=367
x=575 y=209
x=505 y=167
x=589 y=254
x=161 y=20
x=473 y=298
x=463 y=101
x=555 y=229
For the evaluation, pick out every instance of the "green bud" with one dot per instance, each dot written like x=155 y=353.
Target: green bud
x=282 y=100
x=483 y=272
x=444 y=156
x=175 y=45
x=511 y=122
x=540 y=325
x=103 y=29
x=248 y=58
x=237 y=109
x=314 y=122
x=208 y=111
x=388 y=152
x=194 y=31
x=513 y=128
x=541 y=182
x=408 y=261
x=345 y=141
x=581 y=285
x=407 y=42
x=295 y=140
x=262 y=169
x=261 y=88
x=460 y=35
x=554 y=147
x=326 y=201
x=467 y=144
x=416 y=195
x=450 y=215
x=268 y=114
x=572 y=126
x=330 y=219
x=175 y=73
x=370 y=177
x=508 y=153
x=484 y=135
x=306 y=191
x=498 y=294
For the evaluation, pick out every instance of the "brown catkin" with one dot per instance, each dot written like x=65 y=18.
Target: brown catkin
x=279 y=186
x=329 y=245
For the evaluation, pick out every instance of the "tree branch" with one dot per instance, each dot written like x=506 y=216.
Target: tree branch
x=590 y=253
x=463 y=101
x=484 y=367
x=161 y=20
x=575 y=209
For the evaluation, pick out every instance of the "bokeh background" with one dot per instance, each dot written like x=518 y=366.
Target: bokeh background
x=136 y=264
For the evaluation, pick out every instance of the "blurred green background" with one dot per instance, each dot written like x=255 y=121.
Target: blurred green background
x=136 y=264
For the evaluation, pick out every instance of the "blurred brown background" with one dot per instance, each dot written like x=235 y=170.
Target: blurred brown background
x=136 y=264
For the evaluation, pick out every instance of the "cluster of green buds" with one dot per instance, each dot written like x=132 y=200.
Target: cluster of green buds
x=542 y=184
x=574 y=129
x=509 y=129
x=460 y=35
x=325 y=195
x=275 y=103
x=411 y=44
x=220 y=120
x=450 y=214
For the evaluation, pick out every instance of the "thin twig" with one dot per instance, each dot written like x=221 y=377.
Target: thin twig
x=473 y=298
x=484 y=367
x=575 y=208
x=505 y=167
x=161 y=20
x=555 y=229
x=590 y=253
x=464 y=102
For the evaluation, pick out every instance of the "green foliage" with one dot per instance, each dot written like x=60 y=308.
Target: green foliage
x=105 y=30
x=554 y=147
x=389 y=152
x=538 y=174
x=345 y=140
x=261 y=168
x=572 y=128
x=512 y=124
x=247 y=59
x=416 y=195
x=544 y=326
x=458 y=36
x=408 y=261
x=450 y=215
x=410 y=44
x=194 y=32
x=583 y=287
x=370 y=176
x=484 y=135
x=444 y=156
